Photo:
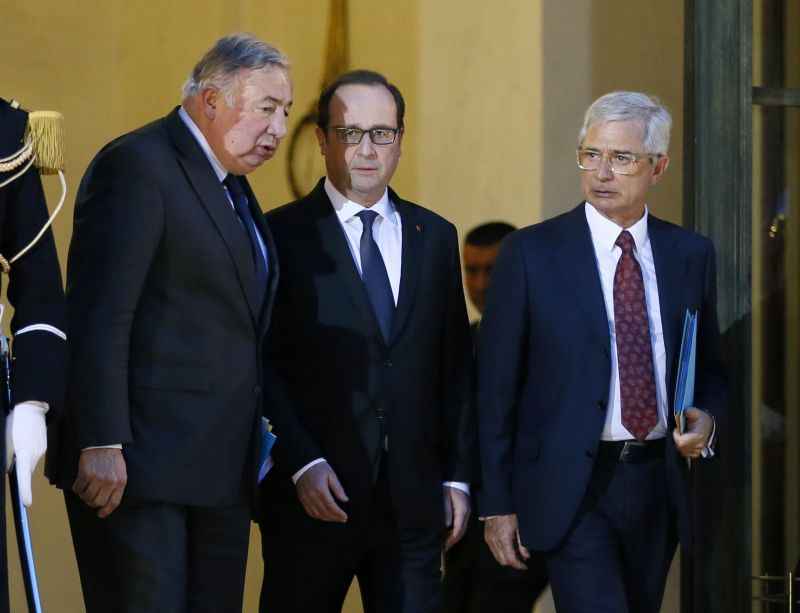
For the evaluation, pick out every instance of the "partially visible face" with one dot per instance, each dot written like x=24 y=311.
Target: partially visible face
x=360 y=172
x=478 y=265
x=246 y=134
x=620 y=198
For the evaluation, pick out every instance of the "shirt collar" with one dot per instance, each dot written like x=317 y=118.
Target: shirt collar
x=346 y=209
x=219 y=169
x=605 y=232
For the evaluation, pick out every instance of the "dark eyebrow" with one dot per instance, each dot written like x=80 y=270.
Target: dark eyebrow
x=377 y=127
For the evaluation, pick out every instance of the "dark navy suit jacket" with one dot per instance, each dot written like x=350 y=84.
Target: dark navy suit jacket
x=166 y=321
x=332 y=374
x=545 y=368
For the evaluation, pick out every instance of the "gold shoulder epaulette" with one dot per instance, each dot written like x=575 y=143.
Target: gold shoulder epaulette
x=46 y=133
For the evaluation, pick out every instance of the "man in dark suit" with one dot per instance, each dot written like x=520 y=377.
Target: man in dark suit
x=170 y=282
x=578 y=353
x=474 y=582
x=370 y=350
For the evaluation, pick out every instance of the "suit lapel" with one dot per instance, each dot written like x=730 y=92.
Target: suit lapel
x=670 y=267
x=334 y=245
x=212 y=196
x=411 y=262
x=578 y=264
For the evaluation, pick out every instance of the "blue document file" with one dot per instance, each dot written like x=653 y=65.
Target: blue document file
x=268 y=439
x=684 y=383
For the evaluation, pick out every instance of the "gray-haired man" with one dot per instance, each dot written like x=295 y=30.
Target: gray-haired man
x=170 y=283
x=577 y=366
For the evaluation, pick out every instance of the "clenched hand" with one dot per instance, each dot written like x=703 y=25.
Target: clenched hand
x=102 y=477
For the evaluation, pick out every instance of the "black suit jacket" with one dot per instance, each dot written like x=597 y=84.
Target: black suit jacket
x=545 y=367
x=333 y=374
x=166 y=321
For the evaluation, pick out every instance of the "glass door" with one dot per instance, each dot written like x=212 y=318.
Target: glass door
x=775 y=417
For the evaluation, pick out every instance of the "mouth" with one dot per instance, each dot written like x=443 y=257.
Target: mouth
x=604 y=193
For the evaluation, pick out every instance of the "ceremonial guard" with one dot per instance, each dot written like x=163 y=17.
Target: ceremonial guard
x=29 y=144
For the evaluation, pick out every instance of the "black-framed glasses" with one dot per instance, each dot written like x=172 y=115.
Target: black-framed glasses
x=378 y=136
x=620 y=162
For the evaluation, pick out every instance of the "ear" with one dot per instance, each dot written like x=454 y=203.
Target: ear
x=660 y=168
x=323 y=142
x=210 y=98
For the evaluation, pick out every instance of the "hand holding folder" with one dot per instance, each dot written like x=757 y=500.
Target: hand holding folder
x=693 y=425
x=684 y=382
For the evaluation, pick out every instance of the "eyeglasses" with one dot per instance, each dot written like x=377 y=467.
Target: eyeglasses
x=378 y=136
x=621 y=163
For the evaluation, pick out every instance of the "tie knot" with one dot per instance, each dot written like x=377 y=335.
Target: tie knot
x=367 y=218
x=234 y=187
x=625 y=242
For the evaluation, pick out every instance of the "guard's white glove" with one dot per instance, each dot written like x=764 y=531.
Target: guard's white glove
x=26 y=438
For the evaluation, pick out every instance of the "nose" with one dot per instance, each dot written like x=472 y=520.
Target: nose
x=604 y=172
x=482 y=281
x=365 y=148
x=277 y=126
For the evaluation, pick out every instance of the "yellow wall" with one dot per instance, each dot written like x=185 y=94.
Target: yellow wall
x=495 y=95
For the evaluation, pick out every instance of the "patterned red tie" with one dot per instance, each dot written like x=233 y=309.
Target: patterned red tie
x=637 y=386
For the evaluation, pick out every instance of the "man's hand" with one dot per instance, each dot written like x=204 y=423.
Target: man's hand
x=102 y=477
x=699 y=425
x=456 y=514
x=502 y=535
x=318 y=490
x=26 y=438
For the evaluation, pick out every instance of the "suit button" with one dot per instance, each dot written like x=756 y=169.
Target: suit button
x=601 y=404
x=589 y=453
x=257 y=390
x=388 y=364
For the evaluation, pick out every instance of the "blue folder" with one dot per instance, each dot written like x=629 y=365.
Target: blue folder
x=684 y=384
x=268 y=439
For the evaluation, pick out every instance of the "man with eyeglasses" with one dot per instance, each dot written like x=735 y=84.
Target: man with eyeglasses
x=371 y=353
x=577 y=367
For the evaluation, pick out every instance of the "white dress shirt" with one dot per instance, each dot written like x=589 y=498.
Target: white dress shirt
x=387 y=230
x=604 y=234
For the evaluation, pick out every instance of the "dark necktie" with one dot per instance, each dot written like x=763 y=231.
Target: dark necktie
x=637 y=384
x=374 y=275
x=242 y=206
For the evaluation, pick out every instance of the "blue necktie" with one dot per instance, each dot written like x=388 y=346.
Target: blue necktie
x=242 y=206
x=374 y=275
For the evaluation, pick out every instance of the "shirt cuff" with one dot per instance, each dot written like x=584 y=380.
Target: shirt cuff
x=299 y=473
x=458 y=485
x=112 y=446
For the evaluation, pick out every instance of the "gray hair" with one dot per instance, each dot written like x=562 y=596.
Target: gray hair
x=221 y=64
x=632 y=106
